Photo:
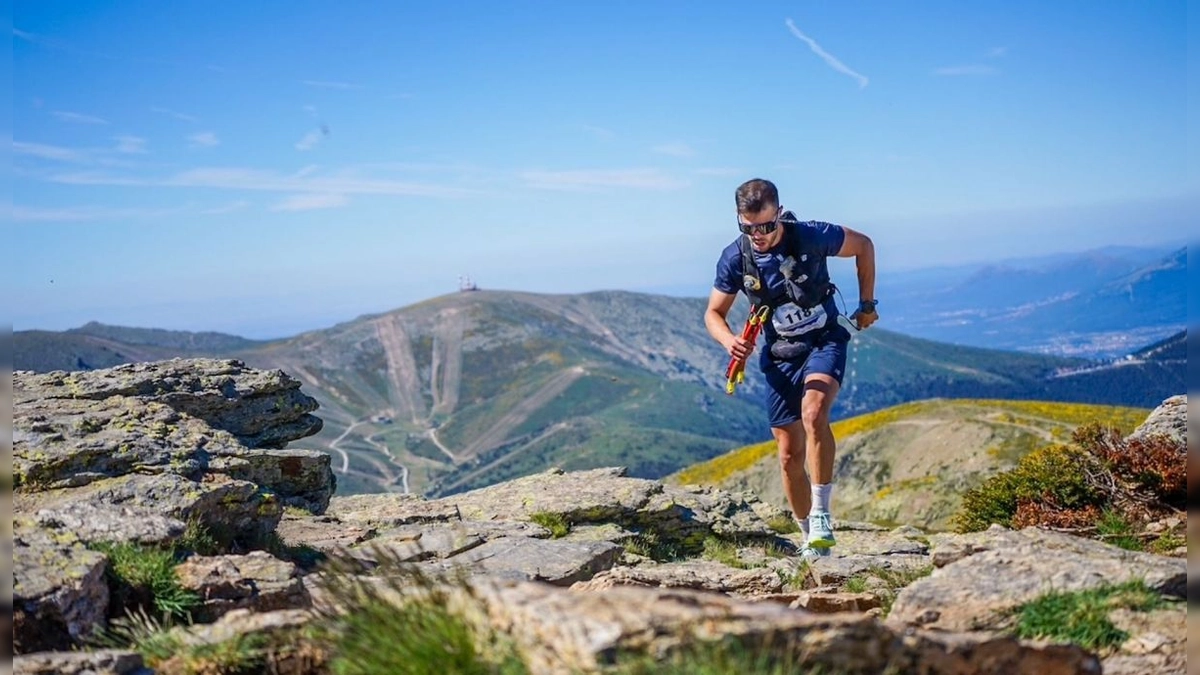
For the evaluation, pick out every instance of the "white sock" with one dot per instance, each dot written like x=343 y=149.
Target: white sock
x=822 y=495
x=803 y=523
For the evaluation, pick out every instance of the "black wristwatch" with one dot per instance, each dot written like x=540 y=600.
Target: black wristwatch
x=867 y=306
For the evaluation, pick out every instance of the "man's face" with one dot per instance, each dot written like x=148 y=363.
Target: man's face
x=762 y=226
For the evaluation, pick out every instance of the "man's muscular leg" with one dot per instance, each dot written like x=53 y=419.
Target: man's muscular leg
x=791 y=442
x=820 y=391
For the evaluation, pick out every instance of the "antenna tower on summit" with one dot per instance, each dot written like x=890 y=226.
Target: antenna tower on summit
x=465 y=284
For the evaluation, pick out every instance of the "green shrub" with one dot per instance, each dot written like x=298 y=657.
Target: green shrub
x=403 y=622
x=722 y=551
x=1114 y=529
x=1082 y=617
x=1056 y=473
x=555 y=522
x=142 y=576
x=783 y=523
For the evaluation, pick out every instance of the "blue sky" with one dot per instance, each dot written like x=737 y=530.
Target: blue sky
x=266 y=168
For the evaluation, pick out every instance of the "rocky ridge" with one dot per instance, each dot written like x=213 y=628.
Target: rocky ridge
x=574 y=566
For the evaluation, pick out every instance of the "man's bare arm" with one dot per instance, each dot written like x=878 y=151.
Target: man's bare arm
x=860 y=247
x=716 y=321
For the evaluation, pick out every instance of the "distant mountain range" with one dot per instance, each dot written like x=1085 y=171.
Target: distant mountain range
x=1098 y=304
x=473 y=388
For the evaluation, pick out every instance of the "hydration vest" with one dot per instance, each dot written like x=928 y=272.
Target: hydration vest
x=801 y=290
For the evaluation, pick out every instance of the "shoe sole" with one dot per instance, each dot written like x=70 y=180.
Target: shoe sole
x=822 y=543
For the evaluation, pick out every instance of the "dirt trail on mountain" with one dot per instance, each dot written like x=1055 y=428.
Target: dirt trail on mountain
x=581 y=316
x=553 y=429
x=432 y=434
x=402 y=369
x=446 y=374
x=499 y=431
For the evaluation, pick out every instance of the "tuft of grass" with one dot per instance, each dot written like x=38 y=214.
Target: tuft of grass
x=198 y=538
x=1082 y=617
x=145 y=575
x=894 y=580
x=555 y=522
x=1167 y=543
x=856 y=584
x=783 y=523
x=137 y=630
x=1113 y=528
x=723 y=657
x=649 y=544
x=799 y=579
x=405 y=622
x=722 y=551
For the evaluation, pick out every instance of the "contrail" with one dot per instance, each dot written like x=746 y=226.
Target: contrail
x=826 y=56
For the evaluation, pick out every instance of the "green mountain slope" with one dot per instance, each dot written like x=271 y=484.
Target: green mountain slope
x=911 y=463
x=472 y=388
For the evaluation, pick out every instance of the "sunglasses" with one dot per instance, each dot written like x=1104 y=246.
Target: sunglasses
x=760 y=228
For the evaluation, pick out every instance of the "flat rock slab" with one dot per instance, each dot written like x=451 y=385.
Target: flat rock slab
x=978 y=591
x=553 y=561
x=390 y=510
x=828 y=603
x=59 y=591
x=322 y=533
x=570 y=631
x=607 y=495
x=256 y=581
x=835 y=570
x=598 y=495
x=263 y=408
x=103 y=662
x=702 y=575
x=68 y=442
x=115 y=523
x=225 y=505
x=300 y=478
x=413 y=543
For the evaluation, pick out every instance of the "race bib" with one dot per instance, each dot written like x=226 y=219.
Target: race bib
x=790 y=320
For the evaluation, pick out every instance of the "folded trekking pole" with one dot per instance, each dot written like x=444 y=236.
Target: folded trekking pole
x=735 y=372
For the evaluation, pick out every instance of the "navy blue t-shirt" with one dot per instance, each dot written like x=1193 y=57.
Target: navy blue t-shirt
x=808 y=244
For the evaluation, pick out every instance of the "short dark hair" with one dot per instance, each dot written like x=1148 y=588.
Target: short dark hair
x=755 y=195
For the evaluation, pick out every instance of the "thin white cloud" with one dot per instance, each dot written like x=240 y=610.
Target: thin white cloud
x=968 y=70
x=310 y=109
x=237 y=178
x=719 y=171
x=997 y=52
x=52 y=152
x=309 y=141
x=311 y=202
x=239 y=205
x=28 y=37
x=77 y=118
x=76 y=214
x=675 y=149
x=326 y=84
x=131 y=145
x=641 y=179
x=204 y=139
x=174 y=113
x=829 y=59
x=599 y=132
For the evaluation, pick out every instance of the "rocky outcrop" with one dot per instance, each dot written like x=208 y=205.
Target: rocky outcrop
x=575 y=568
x=1169 y=419
x=135 y=453
x=993 y=572
x=262 y=409
x=257 y=581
